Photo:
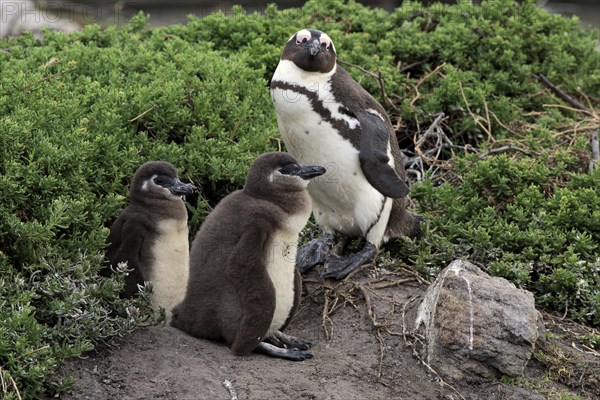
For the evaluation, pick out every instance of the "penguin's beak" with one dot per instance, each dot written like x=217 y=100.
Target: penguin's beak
x=303 y=171
x=179 y=188
x=314 y=47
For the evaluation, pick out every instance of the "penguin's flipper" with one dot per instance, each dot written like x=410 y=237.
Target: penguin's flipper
x=129 y=251
x=374 y=158
x=114 y=242
x=256 y=291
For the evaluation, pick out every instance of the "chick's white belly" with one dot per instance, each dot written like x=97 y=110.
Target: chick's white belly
x=343 y=200
x=281 y=259
x=170 y=271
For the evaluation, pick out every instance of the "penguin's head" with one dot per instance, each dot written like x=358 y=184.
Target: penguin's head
x=158 y=180
x=279 y=171
x=311 y=50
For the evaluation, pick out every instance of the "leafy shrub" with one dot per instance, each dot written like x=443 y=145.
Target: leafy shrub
x=510 y=217
x=79 y=113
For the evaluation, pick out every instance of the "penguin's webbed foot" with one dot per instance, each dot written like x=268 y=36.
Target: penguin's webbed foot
x=339 y=267
x=314 y=252
x=290 y=341
x=292 y=354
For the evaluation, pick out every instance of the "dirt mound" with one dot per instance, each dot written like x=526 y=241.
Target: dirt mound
x=360 y=352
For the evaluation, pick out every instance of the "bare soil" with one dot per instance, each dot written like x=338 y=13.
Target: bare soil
x=360 y=352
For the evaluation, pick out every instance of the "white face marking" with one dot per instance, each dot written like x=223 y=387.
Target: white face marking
x=275 y=175
x=149 y=184
x=302 y=36
x=326 y=41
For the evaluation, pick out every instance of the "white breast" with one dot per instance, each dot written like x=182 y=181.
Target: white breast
x=343 y=200
x=281 y=264
x=170 y=271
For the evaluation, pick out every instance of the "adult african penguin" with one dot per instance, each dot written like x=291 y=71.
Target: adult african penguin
x=244 y=287
x=325 y=117
x=151 y=235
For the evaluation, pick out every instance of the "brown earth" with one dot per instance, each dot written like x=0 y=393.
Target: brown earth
x=360 y=352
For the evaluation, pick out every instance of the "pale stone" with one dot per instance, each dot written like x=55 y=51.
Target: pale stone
x=476 y=325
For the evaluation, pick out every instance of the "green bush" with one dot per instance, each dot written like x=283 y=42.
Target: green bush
x=511 y=217
x=79 y=113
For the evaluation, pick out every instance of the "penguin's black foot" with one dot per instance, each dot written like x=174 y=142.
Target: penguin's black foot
x=291 y=341
x=337 y=267
x=291 y=354
x=314 y=252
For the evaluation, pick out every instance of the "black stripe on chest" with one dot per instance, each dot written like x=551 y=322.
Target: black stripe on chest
x=339 y=125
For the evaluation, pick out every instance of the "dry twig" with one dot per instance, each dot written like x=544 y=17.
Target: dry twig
x=415 y=88
x=557 y=91
x=144 y=113
x=595 y=150
x=376 y=326
x=477 y=118
x=435 y=131
x=506 y=148
x=12 y=382
x=325 y=317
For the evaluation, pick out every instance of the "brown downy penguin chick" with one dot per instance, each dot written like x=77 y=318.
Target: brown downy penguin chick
x=151 y=235
x=325 y=117
x=244 y=287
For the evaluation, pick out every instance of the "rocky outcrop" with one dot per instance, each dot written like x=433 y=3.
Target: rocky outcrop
x=475 y=325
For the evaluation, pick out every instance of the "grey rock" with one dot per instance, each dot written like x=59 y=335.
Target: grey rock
x=476 y=326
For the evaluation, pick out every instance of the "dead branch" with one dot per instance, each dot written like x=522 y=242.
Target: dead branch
x=412 y=273
x=557 y=91
x=420 y=82
x=376 y=326
x=410 y=66
x=46 y=78
x=2 y=381
x=595 y=150
x=325 y=316
x=391 y=284
x=573 y=109
x=477 y=118
x=441 y=141
x=504 y=149
x=144 y=113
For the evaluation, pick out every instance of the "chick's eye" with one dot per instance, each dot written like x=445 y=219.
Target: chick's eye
x=161 y=180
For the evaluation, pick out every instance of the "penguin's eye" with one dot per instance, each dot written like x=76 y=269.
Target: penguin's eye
x=302 y=36
x=325 y=41
x=161 y=180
